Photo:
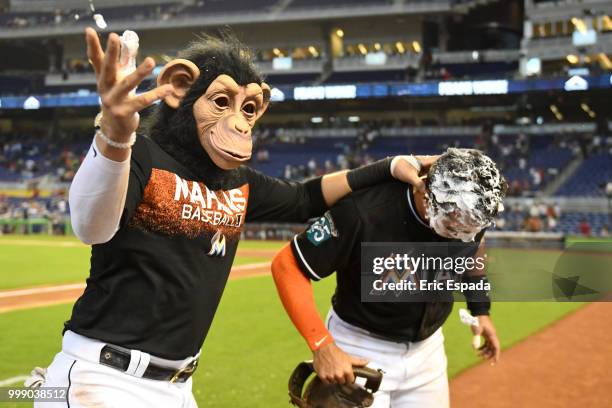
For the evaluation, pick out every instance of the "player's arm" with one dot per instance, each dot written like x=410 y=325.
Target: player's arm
x=336 y=185
x=295 y=290
x=104 y=192
x=313 y=255
x=272 y=199
x=479 y=305
x=99 y=190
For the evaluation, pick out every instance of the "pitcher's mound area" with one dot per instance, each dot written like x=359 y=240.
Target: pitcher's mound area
x=567 y=365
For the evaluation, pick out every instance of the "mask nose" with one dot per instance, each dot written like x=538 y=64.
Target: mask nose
x=241 y=126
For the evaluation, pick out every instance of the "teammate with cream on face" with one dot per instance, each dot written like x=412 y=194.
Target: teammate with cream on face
x=465 y=191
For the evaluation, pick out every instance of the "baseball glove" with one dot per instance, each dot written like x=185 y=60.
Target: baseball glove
x=320 y=395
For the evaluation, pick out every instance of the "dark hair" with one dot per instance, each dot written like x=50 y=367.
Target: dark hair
x=219 y=55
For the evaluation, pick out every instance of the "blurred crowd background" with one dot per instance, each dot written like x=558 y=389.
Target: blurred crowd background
x=528 y=82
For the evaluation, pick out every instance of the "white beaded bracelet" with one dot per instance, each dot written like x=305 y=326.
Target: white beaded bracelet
x=117 y=145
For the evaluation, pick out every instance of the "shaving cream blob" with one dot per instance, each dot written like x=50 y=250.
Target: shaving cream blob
x=465 y=193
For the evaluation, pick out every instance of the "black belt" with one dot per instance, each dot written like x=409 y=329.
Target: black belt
x=119 y=359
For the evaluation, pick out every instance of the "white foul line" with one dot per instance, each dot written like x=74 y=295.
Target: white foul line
x=75 y=286
x=35 y=291
x=13 y=380
x=249 y=266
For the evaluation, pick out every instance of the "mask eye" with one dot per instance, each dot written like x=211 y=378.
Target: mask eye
x=221 y=101
x=249 y=109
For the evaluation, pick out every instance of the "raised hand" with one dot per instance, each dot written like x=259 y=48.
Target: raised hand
x=119 y=109
x=404 y=171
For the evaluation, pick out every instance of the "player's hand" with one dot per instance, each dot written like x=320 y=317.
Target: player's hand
x=333 y=365
x=406 y=172
x=119 y=108
x=491 y=349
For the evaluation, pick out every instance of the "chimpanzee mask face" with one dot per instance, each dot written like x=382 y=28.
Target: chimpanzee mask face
x=224 y=115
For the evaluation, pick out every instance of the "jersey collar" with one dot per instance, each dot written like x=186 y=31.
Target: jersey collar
x=412 y=206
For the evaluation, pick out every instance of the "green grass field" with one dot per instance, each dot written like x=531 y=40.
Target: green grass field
x=252 y=347
x=47 y=260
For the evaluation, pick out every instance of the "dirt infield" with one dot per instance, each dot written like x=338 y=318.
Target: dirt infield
x=50 y=295
x=564 y=366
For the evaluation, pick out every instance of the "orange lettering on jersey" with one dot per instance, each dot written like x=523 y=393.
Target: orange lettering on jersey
x=172 y=205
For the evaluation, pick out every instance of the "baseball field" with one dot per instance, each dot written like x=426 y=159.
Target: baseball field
x=252 y=347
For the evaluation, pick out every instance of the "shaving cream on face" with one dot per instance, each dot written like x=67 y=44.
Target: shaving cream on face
x=465 y=192
x=439 y=223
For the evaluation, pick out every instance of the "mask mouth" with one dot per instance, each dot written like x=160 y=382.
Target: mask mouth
x=236 y=155
x=227 y=154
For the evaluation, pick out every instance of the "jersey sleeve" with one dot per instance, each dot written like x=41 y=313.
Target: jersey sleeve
x=272 y=199
x=140 y=173
x=327 y=244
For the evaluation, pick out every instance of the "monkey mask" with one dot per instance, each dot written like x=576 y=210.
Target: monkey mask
x=224 y=113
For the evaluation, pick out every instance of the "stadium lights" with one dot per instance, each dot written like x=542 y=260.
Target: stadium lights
x=579 y=24
x=340 y=33
x=604 y=61
x=556 y=112
x=416 y=47
x=354 y=119
x=587 y=109
x=572 y=59
x=316 y=119
x=400 y=47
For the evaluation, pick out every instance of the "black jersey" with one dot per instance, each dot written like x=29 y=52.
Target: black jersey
x=384 y=213
x=155 y=286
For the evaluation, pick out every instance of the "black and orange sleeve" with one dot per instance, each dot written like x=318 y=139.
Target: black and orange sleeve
x=295 y=291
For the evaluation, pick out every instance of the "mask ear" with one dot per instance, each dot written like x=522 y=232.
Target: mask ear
x=266 y=98
x=181 y=74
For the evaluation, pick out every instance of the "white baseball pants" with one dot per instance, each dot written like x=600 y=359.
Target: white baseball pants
x=414 y=374
x=91 y=384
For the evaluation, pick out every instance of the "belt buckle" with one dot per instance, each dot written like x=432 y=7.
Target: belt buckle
x=188 y=369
